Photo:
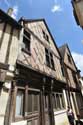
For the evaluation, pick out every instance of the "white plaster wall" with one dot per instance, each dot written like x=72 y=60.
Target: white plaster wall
x=1 y=120
x=14 y=48
x=4 y=46
x=61 y=118
x=20 y=123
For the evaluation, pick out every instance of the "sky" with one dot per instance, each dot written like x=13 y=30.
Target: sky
x=60 y=20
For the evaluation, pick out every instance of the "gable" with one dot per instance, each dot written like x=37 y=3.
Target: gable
x=68 y=59
x=37 y=27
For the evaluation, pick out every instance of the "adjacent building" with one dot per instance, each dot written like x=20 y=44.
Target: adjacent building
x=71 y=72
x=78 y=11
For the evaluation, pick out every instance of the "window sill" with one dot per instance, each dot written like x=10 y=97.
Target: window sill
x=28 y=116
x=19 y=118
x=50 y=68
x=26 y=51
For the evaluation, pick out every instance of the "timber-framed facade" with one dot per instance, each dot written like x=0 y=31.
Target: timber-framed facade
x=72 y=77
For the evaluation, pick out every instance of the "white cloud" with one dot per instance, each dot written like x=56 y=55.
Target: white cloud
x=78 y=58
x=15 y=12
x=56 y=8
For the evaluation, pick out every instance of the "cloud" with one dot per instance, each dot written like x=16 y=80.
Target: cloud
x=78 y=58
x=15 y=12
x=56 y=8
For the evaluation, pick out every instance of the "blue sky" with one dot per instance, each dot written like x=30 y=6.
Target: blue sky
x=59 y=17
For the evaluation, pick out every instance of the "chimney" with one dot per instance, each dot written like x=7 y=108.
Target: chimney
x=10 y=11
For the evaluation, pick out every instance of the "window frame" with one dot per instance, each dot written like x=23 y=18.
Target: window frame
x=26 y=42
x=61 y=102
x=63 y=71
x=69 y=58
x=28 y=115
x=45 y=36
x=22 y=90
x=49 y=59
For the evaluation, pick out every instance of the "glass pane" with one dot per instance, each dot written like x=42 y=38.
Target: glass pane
x=19 y=103
x=62 y=101
x=36 y=99
x=29 y=103
x=54 y=102
x=52 y=64
x=46 y=102
x=58 y=101
x=27 y=43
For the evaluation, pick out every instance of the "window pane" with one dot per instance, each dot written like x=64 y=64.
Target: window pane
x=36 y=104
x=32 y=101
x=47 y=60
x=69 y=58
x=62 y=101
x=27 y=43
x=29 y=108
x=19 y=103
x=52 y=64
x=54 y=102
x=62 y=71
x=58 y=101
x=46 y=101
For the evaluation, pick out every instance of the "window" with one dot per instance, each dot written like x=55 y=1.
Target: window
x=26 y=41
x=19 y=103
x=45 y=36
x=49 y=59
x=26 y=103
x=74 y=77
x=46 y=101
x=58 y=101
x=69 y=58
x=63 y=73
x=33 y=102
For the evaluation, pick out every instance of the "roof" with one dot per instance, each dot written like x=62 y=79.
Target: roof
x=6 y=18
x=37 y=20
x=62 y=51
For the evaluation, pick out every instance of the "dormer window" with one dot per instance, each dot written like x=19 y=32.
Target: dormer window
x=26 y=41
x=45 y=36
x=49 y=59
x=69 y=58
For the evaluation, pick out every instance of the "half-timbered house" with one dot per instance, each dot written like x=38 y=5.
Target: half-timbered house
x=40 y=84
x=9 y=37
x=74 y=94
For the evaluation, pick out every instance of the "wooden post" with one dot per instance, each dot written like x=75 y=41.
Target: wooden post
x=42 y=118
x=52 y=121
x=11 y=104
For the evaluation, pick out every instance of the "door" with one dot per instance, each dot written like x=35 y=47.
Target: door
x=33 y=108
